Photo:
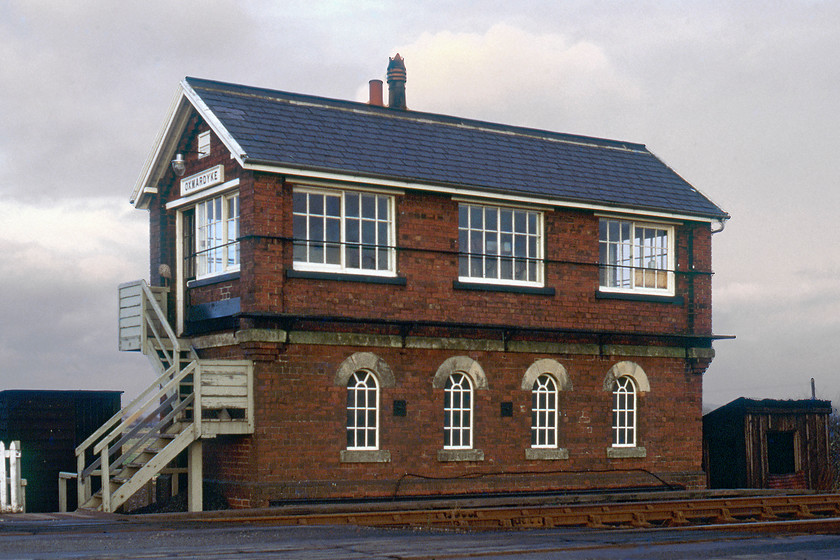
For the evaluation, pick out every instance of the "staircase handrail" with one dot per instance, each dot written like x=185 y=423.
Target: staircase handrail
x=166 y=403
x=150 y=301
x=157 y=428
x=119 y=415
x=154 y=400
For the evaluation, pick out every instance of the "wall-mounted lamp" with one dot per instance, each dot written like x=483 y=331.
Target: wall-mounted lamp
x=179 y=166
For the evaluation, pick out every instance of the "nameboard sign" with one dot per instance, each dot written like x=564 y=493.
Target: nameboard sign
x=203 y=180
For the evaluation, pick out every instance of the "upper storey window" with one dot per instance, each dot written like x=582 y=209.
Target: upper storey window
x=216 y=235
x=336 y=231
x=636 y=257
x=500 y=245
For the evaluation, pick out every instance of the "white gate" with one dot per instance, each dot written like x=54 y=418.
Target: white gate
x=12 y=498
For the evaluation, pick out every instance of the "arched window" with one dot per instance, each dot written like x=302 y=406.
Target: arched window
x=624 y=412
x=362 y=411
x=544 y=412
x=457 y=410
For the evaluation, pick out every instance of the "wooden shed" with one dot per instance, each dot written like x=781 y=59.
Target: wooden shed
x=49 y=425
x=767 y=444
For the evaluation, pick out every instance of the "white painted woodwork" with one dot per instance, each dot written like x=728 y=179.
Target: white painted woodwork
x=190 y=399
x=12 y=494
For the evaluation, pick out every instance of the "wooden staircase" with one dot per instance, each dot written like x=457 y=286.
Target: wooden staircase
x=190 y=399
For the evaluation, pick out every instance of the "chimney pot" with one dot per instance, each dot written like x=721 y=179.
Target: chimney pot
x=396 y=82
x=375 y=93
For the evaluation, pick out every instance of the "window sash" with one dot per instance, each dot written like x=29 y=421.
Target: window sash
x=457 y=412
x=216 y=238
x=544 y=413
x=636 y=257
x=624 y=413
x=500 y=245
x=362 y=411
x=343 y=231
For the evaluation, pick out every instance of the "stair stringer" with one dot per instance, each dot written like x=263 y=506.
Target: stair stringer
x=154 y=466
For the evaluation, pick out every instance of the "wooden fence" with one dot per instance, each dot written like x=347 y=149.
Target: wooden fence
x=12 y=493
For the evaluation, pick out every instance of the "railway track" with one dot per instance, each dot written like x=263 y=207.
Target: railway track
x=817 y=511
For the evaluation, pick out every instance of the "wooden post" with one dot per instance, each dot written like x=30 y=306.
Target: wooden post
x=3 y=496
x=106 y=480
x=14 y=475
x=62 y=494
x=194 y=477
x=82 y=487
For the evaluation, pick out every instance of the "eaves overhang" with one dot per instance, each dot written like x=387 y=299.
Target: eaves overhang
x=303 y=173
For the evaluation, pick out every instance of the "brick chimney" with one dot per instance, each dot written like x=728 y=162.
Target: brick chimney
x=375 y=93
x=396 y=82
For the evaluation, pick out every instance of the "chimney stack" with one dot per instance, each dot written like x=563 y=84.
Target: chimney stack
x=375 y=93
x=396 y=82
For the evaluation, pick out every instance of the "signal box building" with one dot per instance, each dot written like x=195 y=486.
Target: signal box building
x=421 y=304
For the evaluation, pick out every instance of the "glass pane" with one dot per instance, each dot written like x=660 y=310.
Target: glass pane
x=382 y=203
x=368 y=258
x=299 y=202
x=490 y=246
x=506 y=269
x=476 y=267
x=333 y=230
x=333 y=254
x=351 y=230
x=316 y=204
x=476 y=216
x=368 y=206
x=476 y=245
x=520 y=243
x=490 y=216
x=299 y=227
x=351 y=205
x=333 y=206
x=506 y=220
x=519 y=222
x=369 y=232
x=316 y=228
x=490 y=268
x=463 y=266
x=353 y=255
x=463 y=216
x=299 y=252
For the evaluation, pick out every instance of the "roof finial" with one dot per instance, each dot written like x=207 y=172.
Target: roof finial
x=396 y=82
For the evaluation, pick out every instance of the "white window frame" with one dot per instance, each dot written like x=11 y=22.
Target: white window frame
x=226 y=244
x=453 y=410
x=628 y=273
x=479 y=245
x=624 y=408
x=346 y=241
x=544 y=412
x=359 y=397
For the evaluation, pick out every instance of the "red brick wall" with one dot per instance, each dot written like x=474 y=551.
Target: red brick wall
x=430 y=222
x=300 y=431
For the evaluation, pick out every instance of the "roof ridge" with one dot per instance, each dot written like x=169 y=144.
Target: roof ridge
x=424 y=117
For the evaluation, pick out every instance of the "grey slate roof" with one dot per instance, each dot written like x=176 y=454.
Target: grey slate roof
x=315 y=133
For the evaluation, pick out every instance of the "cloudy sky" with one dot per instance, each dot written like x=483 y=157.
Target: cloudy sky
x=741 y=98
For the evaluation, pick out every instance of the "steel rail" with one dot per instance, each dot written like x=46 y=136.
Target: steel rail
x=754 y=511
